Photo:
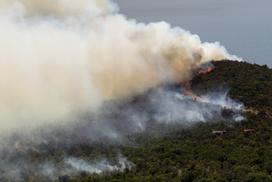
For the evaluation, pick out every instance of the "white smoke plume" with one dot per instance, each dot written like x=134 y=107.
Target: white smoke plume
x=174 y=107
x=98 y=167
x=62 y=58
x=69 y=63
x=113 y=125
x=24 y=170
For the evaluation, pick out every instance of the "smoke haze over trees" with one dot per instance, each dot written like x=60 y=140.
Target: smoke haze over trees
x=88 y=94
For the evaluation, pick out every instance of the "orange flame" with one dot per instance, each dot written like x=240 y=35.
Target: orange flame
x=205 y=71
x=187 y=85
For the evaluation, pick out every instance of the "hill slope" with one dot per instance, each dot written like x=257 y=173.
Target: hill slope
x=195 y=154
x=241 y=151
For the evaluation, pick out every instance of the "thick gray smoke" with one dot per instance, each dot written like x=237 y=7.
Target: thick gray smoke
x=69 y=74
x=62 y=58
x=111 y=125
x=114 y=121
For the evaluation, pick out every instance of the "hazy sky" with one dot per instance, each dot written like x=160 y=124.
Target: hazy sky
x=243 y=26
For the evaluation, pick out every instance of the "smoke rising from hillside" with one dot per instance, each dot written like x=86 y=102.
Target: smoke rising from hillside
x=63 y=58
x=69 y=72
x=99 y=167
x=48 y=170
x=113 y=125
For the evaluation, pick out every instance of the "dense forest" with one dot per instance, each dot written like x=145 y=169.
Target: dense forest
x=242 y=153
x=218 y=150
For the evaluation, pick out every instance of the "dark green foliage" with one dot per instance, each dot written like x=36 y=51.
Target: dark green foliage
x=249 y=83
x=194 y=153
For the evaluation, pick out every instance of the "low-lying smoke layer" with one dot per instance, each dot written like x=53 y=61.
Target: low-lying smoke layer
x=24 y=170
x=115 y=121
x=42 y=154
x=62 y=58
x=98 y=167
x=69 y=72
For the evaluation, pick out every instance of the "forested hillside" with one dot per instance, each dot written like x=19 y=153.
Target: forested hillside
x=242 y=153
x=216 y=150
